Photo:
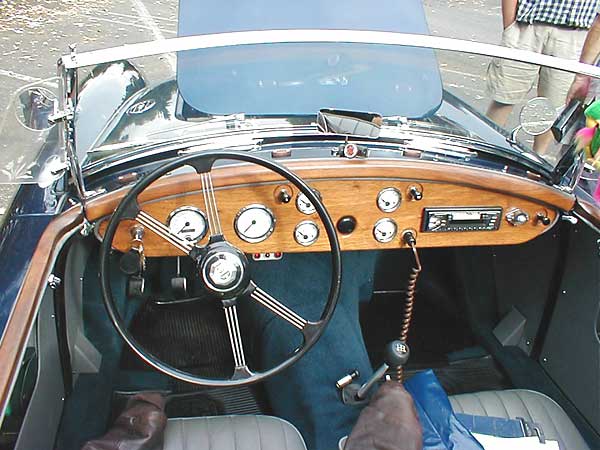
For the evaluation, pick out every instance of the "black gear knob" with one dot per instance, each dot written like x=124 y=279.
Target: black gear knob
x=396 y=354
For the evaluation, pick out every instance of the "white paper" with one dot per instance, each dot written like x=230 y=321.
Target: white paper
x=523 y=443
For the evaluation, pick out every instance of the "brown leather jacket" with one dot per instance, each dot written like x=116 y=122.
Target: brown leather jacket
x=140 y=426
x=390 y=422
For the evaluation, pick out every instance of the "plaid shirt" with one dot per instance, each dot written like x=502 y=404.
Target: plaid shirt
x=569 y=13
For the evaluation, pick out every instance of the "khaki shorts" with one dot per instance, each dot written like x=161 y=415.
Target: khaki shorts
x=509 y=82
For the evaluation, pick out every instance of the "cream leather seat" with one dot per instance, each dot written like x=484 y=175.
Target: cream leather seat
x=530 y=405
x=232 y=433
x=272 y=433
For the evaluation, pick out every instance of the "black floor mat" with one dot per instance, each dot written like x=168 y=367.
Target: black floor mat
x=193 y=338
x=468 y=375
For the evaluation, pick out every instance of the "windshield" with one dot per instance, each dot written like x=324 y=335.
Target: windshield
x=252 y=89
x=277 y=89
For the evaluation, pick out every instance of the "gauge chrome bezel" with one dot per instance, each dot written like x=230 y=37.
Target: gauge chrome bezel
x=392 y=236
x=264 y=236
x=383 y=191
x=193 y=209
x=307 y=222
x=314 y=210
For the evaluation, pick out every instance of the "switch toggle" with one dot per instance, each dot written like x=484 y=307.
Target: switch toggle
x=542 y=217
x=517 y=217
x=415 y=192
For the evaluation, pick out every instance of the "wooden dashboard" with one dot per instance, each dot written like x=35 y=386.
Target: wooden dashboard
x=348 y=188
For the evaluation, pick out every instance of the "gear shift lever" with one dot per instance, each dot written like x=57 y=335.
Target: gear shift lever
x=395 y=355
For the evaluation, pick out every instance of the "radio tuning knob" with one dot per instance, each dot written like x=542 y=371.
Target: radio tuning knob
x=517 y=217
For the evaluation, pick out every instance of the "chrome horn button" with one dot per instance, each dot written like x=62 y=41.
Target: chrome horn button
x=223 y=271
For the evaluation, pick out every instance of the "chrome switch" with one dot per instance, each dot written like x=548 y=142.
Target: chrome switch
x=517 y=217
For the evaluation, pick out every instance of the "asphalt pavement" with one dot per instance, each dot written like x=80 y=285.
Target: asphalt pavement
x=35 y=33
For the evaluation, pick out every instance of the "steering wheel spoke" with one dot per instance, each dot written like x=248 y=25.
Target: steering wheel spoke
x=235 y=338
x=159 y=228
x=279 y=309
x=210 y=202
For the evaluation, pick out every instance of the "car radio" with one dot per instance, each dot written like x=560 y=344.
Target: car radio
x=461 y=219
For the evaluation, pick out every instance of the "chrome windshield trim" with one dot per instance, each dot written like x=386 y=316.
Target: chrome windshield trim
x=77 y=60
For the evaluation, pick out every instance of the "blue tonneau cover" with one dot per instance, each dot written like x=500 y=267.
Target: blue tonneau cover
x=299 y=79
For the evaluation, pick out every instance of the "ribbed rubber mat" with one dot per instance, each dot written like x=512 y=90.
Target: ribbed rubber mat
x=238 y=400
x=191 y=337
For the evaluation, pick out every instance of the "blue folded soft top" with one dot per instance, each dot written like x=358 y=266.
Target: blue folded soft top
x=299 y=79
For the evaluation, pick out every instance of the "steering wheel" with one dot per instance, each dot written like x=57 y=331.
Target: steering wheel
x=222 y=268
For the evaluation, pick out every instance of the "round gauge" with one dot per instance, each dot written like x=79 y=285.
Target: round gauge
x=388 y=199
x=385 y=230
x=254 y=223
x=306 y=233
x=188 y=223
x=304 y=205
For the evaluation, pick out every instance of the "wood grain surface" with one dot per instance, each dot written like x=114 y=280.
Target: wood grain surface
x=28 y=300
x=343 y=197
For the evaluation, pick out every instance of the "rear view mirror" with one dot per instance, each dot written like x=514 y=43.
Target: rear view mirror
x=36 y=106
x=349 y=123
x=537 y=116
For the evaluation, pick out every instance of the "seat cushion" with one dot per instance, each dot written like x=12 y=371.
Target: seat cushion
x=232 y=432
x=530 y=405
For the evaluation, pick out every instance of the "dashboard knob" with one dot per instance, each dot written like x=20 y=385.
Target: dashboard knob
x=346 y=225
x=517 y=217
x=543 y=219
x=415 y=193
x=283 y=195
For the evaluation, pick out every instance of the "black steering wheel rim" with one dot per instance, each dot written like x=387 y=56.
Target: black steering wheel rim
x=203 y=162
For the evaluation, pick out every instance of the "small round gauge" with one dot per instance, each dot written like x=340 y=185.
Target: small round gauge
x=188 y=223
x=254 y=223
x=389 y=199
x=304 y=205
x=306 y=233
x=385 y=230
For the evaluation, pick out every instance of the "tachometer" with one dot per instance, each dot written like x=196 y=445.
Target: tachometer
x=254 y=223
x=188 y=223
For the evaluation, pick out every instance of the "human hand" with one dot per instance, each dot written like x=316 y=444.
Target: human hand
x=579 y=88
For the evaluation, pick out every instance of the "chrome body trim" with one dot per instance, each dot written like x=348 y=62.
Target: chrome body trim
x=77 y=60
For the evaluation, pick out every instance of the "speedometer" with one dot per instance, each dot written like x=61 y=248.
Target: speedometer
x=254 y=223
x=187 y=223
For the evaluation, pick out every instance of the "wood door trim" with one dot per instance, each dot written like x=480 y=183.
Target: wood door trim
x=23 y=315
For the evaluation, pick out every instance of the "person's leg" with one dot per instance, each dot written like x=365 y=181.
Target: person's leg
x=305 y=394
x=508 y=82
x=554 y=84
x=499 y=112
